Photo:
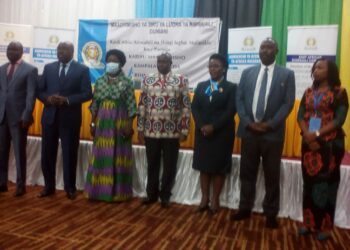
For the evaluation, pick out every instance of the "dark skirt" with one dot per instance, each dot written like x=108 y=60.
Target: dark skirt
x=213 y=155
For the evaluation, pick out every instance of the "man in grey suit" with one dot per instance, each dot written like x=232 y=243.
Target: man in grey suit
x=265 y=97
x=18 y=81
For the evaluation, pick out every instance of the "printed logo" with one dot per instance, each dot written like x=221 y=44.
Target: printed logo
x=157 y=126
x=92 y=55
x=147 y=124
x=311 y=43
x=248 y=44
x=172 y=102
x=169 y=126
x=53 y=41
x=248 y=41
x=150 y=80
x=159 y=102
x=9 y=35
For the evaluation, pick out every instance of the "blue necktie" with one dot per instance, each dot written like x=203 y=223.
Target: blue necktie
x=260 y=109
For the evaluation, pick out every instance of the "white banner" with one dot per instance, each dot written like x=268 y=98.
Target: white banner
x=16 y=32
x=305 y=45
x=243 y=49
x=45 y=44
x=190 y=41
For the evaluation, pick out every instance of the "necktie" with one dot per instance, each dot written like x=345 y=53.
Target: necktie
x=260 y=109
x=11 y=71
x=63 y=72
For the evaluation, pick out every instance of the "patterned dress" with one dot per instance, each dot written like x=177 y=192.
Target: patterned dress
x=109 y=176
x=321 y=168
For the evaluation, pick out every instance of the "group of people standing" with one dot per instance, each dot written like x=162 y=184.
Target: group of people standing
x=263 y=100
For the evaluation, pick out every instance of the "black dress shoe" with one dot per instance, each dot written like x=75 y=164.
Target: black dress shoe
x=71 y=195
x=213 y=211
x=3 y=189
x=165 y=203
x=241 y=215
x=148 y=201
x=271 y=222
x=46 y=193
x=19 y=192
x=201 y=209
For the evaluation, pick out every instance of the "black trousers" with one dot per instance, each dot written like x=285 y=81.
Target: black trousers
x=69 y=136
x=18 y=135
x=252 y=151
x=155 y=150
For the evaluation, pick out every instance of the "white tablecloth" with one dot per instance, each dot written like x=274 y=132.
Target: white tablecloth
x=186 y=189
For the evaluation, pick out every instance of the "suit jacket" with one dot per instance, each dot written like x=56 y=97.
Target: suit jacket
x=17 y=97
x=280 y=101
x=76 y=87
x=219 y=111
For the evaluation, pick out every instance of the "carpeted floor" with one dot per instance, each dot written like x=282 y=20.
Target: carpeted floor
x=58 y=223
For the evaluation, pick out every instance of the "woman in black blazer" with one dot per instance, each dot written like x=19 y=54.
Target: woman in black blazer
x=213 y=109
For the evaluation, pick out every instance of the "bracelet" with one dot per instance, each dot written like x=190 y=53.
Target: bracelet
x=92 y=125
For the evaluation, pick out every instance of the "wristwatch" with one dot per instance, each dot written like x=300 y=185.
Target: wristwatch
x=317 y=133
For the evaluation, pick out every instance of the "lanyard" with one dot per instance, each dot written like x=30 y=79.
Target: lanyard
x=317 y=100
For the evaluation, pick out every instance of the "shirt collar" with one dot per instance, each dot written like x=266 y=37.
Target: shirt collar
x=166 y=76
x=18 y=62
x=270 y=67
x=67 y=64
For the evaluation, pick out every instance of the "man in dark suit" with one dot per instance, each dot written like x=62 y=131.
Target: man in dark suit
x=63 y=87
x=265 y=97
x=18 y=81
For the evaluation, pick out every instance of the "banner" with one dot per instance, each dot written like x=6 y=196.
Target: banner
x=15 y=32
x=243 y=49
x=305 y=45
x=190 y=41
x=45 y=45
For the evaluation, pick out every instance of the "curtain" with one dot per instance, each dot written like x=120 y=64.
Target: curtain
x=345 y=61
x=164 y=8
x=233 y=13
x=63 y=13
x=283 y=13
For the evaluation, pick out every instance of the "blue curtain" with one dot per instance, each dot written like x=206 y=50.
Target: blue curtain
x=164 y=8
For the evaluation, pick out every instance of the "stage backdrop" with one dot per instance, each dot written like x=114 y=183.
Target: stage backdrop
x=305 y=45
x=189 y=40
x=243 y=49
x=45 y=45
x=16 y=32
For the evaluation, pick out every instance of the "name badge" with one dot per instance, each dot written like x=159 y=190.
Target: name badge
x=315 y=124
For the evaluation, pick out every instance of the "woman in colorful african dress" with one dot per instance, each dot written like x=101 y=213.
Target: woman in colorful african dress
x=322 y=112
x=113 y=107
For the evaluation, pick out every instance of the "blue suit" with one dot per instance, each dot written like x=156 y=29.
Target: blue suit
x=17 y=99
x=267 y=145
x=62 y=121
